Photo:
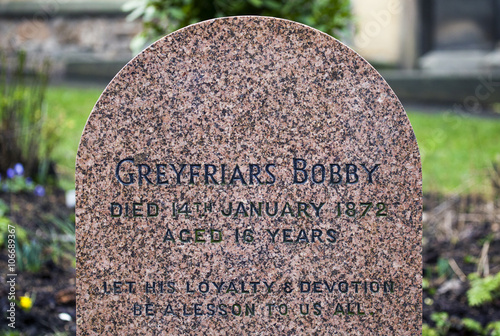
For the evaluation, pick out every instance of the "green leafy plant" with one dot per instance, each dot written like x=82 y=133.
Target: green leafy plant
x=425 y=283
x=29 y=256
x=429 y=331
x=442 y=322
x=56 y=242
x=21 y=235
x=469 y=259
x=472 y=325
x=61 y=245
x=444 y=325
x=492 y=329
x=4 y=208
x=24 y=135
x=15 y=181
x=17 y=184
x=443 y=267
x=10 y=333
x=6 y=226
x=163 y=16
x=483 y=290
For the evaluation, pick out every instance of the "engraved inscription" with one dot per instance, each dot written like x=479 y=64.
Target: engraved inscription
x=129 y=172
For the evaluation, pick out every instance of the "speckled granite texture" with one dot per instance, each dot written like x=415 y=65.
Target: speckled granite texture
x=194 y=211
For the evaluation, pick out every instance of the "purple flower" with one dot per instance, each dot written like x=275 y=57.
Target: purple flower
x=39 y=190
x=19 y=169
x=10 y=173
x=29 y=181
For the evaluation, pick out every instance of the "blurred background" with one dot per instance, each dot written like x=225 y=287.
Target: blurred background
x=441 y=57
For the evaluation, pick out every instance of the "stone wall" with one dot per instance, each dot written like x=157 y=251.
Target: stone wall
x=69 y=38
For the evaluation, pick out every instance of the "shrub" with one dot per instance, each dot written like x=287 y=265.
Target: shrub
x=428 y=331
x=15 y=182
x=29 y=256
x=24 y=135
x=164 y=16
x=493 y=328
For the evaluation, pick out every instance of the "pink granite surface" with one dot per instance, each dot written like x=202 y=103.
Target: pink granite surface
x=248 y=95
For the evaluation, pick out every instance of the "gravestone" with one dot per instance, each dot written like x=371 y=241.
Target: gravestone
x=248 y=175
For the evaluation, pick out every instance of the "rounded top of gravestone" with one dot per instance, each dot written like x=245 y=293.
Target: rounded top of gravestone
x=248 y=175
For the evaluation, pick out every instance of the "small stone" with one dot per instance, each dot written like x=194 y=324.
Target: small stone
x=452 y=285
x=65 y=317
x=70 y=198
x=66 y=296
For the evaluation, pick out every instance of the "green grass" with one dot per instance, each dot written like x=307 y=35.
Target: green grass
x=456 y=151
x=70 y=107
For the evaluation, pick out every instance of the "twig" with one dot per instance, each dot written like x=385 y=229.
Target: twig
x=483 y=265
x=454 y=266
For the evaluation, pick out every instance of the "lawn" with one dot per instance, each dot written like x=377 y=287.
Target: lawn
x=457 y=151
x=70 y=107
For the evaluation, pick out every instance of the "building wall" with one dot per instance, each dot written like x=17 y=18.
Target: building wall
x=382 y=29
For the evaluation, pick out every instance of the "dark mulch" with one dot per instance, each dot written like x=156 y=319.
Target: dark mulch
x=455 y=232
x=54 y=284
